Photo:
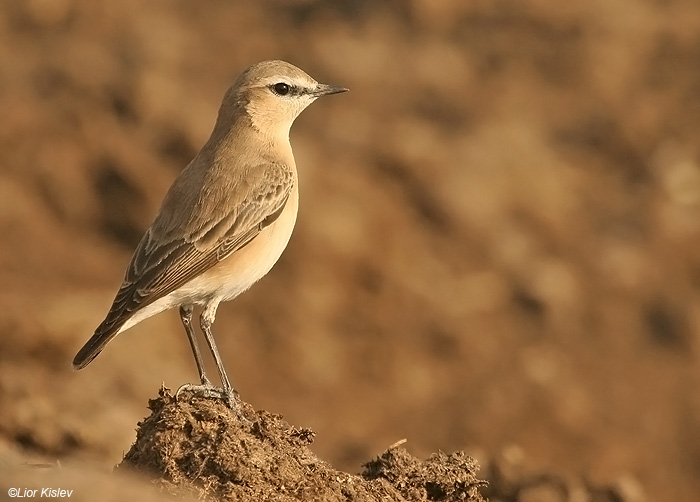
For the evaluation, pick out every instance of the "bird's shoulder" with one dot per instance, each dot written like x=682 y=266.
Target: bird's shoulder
x=207 y=209
x=204 y=196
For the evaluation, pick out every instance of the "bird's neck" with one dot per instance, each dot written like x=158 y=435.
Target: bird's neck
x=268 y=124
x=246 y=133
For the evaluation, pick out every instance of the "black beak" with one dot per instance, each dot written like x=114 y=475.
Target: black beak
x=325 y=89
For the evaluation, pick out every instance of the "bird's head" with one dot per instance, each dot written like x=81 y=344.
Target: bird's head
x=271 y=94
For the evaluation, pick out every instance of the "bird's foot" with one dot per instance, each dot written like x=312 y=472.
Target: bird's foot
x=207 y=390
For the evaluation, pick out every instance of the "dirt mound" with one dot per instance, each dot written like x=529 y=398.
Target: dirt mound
x=199 y=447
x=203 y=447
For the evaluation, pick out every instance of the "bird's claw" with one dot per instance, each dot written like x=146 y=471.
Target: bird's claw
x=208 y=390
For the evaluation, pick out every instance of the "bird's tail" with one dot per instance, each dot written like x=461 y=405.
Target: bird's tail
x=103 y=334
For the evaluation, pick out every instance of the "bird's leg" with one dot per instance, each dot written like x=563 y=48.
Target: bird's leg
x=205 y=389
x=206 y=319
x=186 y=318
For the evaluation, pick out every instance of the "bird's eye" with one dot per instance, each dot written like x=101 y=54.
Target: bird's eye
x=281 y=88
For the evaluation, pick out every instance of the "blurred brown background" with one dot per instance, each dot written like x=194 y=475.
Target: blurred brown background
x=497 y=247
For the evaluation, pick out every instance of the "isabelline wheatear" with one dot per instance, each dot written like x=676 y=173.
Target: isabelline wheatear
x=225 y=220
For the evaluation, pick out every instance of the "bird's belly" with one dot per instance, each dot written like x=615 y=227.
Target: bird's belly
x=244 y=267
x=233 y=275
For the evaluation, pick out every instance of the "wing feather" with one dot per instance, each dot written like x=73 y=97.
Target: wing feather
x=160 y=266
x=170 y=265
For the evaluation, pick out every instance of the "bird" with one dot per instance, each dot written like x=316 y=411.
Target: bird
x=225 y=220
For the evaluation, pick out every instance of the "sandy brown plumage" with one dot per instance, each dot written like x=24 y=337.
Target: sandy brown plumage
x=170 y=255
x=225 y=220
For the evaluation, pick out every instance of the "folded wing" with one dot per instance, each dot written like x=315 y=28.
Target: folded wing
x=161 y=265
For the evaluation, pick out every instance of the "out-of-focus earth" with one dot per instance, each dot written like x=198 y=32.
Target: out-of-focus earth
x=497 y=250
